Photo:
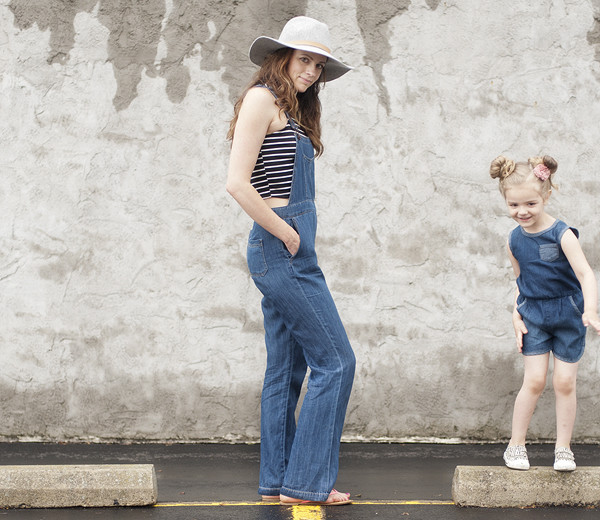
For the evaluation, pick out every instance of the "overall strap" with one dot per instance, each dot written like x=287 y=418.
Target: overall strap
x=293 y=123
x=262 y=85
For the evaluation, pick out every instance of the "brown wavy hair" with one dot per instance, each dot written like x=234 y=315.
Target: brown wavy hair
x=511 y=173
x=303 y=107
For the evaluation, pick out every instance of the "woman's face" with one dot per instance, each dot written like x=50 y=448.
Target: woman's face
x=305 y=68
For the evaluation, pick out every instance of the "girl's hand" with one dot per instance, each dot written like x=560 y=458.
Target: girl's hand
x=591 y=318
x=520 y=329
x=585 y=275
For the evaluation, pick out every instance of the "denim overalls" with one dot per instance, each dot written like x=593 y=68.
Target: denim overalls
x=550 y=298
x=302 y=327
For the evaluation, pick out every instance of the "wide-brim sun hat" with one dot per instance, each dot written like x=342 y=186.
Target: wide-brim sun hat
x=305 y=34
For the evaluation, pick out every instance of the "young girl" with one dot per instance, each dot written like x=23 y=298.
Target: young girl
x=275 y=130
x=556 y=299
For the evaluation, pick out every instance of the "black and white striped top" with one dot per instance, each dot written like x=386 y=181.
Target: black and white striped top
x=272 y=175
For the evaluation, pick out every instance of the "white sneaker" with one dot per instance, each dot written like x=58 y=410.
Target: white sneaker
x=515 y=457
x=564 y=460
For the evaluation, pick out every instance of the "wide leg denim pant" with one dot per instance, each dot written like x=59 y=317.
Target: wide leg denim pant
x=302 y=328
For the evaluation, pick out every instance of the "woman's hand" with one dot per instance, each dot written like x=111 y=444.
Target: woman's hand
x=293 y=242
x=520 y=329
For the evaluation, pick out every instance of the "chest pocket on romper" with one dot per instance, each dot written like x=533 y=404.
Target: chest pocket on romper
x=549 y=252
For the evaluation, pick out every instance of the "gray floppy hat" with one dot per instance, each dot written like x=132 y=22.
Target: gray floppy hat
x=305 y=34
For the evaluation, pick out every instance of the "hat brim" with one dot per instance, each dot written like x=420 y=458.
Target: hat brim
x=263 y=46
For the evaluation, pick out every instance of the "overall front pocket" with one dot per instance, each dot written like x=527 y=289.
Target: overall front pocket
x=549 y=252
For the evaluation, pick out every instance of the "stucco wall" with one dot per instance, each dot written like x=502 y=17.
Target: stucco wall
x=126 y=308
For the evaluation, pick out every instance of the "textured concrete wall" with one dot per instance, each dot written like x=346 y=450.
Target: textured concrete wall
x=126 y=308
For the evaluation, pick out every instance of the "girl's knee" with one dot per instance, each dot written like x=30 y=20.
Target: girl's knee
x=564 y=384
x=535 y=384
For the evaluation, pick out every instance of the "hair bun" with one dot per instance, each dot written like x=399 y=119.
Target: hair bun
x=546 y=160
x=501 y=167
x=550 y=163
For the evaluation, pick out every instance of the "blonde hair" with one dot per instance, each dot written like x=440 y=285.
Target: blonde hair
x=511 y=173
x=304 y=107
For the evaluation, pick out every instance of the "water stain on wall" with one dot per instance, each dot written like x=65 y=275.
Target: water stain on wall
x=58 y=17
x=220 y=28
x=135 y=29
x=266 y=18
x=432 y=4
x=133 y=42
x=593 y=35
x=223 y=32
x=373 y=19
x=189 y=24
x=59 y=269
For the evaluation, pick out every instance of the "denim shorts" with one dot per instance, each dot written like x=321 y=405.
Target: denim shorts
x=554 y=325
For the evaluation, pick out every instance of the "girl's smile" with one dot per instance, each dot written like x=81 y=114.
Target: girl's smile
x=527 y=207
x=304 y=68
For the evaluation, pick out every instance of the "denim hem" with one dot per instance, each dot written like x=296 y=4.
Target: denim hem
x=304 y=495
x=557 y=357
x=537 y=353
x=268 y=491
x=570 y=360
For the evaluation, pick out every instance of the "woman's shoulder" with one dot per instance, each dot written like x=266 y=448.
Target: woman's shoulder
x=259 y=105
x=260 y=94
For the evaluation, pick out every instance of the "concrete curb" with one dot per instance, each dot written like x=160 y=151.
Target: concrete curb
x=498 y=486
x=102 y=485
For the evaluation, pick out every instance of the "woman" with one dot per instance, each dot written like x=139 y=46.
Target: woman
x=275 y=131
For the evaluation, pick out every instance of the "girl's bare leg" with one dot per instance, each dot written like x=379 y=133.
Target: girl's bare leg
x=534 y=381
x=565 y=382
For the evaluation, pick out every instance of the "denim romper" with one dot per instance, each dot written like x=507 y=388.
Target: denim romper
x=550 y=298
x=302 y=328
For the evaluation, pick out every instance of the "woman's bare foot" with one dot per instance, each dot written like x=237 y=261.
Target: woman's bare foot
x=335 y=498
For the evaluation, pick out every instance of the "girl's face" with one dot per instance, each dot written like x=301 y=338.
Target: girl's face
x=526 y=206
x=305 y=68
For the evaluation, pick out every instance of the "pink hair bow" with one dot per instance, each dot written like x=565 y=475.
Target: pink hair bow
x=542 y=172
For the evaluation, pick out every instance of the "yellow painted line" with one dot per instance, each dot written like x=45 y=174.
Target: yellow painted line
x=308 y=512
x=354 y=502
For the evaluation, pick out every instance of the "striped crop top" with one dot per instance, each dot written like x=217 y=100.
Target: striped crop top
x=272 y=174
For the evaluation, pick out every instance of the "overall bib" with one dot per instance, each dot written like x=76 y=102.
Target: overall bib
x=302 y=328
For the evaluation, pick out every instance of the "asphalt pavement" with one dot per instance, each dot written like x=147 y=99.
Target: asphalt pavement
x=219 y=481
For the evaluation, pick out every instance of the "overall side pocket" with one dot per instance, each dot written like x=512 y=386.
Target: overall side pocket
x=255 y=256
x=292 y=222
x=576 y=308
